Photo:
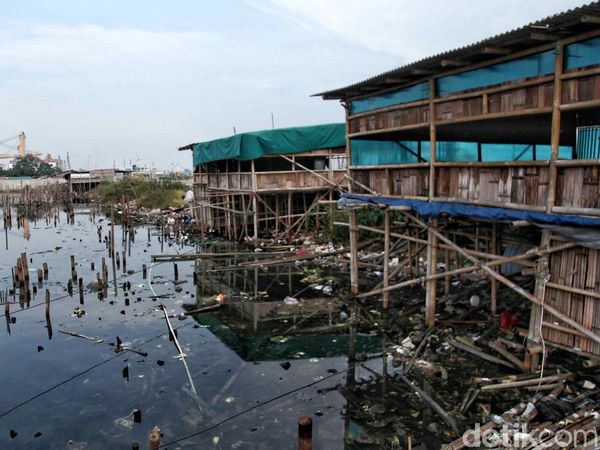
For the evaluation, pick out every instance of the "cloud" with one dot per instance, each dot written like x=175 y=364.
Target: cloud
x=411 y=29
x=62 y=49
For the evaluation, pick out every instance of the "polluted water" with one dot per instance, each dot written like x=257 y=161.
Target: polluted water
x=102 y=344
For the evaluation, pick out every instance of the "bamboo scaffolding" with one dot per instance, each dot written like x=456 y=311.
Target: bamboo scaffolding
x=588 y=333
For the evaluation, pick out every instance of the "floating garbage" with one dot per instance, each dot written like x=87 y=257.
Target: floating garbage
x=290 y=300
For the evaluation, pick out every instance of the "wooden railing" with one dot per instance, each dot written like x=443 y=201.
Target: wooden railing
x=271 y=181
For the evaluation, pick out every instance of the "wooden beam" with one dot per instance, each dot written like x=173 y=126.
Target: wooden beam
x=453 y=63
x=459 y=271
x=431 y=292
x=495 y=51
x=432 y=140
x=366 y=188
x=423 y=72
x=590 y=19
x=555 y=129
x=386 y=257
x=354 y=286
x=394 y=80
x=543 y=37
x=222 y=208
x=313 y=173
x=573 y=290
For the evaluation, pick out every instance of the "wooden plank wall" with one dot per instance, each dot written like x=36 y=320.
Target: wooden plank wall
x=298 y=179
x=517 y=185
x=407 y=182
x=578 y=187
x=478 y=104
x=581 y=89
x=404 y=116
x=579 y=268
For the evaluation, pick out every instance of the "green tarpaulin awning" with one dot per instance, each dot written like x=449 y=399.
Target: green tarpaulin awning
x=253 y=145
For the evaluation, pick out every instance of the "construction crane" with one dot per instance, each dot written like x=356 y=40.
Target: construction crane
x=18 y=145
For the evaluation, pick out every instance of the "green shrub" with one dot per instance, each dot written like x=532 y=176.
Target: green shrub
x=145 y=193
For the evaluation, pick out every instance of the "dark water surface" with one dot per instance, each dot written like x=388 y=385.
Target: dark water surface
x=66 y=392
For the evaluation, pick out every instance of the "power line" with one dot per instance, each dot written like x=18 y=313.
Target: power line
x=89 y=369
x=258 y=405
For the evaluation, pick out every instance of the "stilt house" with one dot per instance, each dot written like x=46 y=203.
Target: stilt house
x=491 y=153
x=267 y=181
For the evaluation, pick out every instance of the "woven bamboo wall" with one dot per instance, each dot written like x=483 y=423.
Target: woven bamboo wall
x=578 y=268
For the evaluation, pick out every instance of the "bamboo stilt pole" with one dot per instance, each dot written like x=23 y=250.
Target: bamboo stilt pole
x=430 y=295
x=353 y=253
x=386 y=257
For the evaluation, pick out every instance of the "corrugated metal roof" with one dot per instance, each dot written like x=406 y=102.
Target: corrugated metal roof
x=561 y=25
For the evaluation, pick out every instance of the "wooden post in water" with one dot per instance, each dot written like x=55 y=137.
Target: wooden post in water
x=25 y=268
x=45 y=267
x=47 y=303
x=305 y=433
x=176 y=271
x=144 y=271
x=81 y=291
x=124 y=258
x=112 y=233
x=40 y=276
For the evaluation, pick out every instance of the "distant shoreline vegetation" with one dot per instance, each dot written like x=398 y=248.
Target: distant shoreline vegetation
x=30 y=166
x=144 y=193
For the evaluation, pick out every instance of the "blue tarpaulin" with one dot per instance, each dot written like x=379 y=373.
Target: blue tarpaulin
x=437 y=209
x=582 y=54
x=377 y=153
x=518 y=69
x=405 y=95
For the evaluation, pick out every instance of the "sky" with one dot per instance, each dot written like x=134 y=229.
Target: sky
x=120 y=82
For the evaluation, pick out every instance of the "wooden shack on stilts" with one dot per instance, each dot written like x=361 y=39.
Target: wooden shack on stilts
x=271 y=182
x=486 y=160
